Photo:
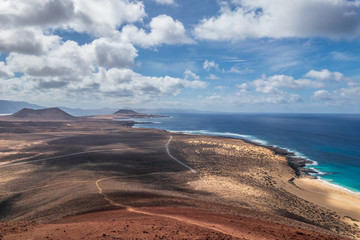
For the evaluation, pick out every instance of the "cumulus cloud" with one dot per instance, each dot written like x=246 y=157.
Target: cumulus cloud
x=89 y=17
x=27 y=41
x=273 y=83
x=73 y=61
x=241 y=19
x=100 y=69
x=342 y=56
x=21 y=13
x=163 y=30
x=126 y=83
x=165 y=2
x=78 y=15
x=111 y=54
x=221 y=87
x=351 y=93
x=242 y=86
x=244 y=97
x=213 y=77
x=326 y=75
x=27 y=26
x=239 y=71
x=322 y=94
x=116 y=83
x=208 y=65
x=214 y=98
x=5 y=71
x=68 y=60
x=189 y=75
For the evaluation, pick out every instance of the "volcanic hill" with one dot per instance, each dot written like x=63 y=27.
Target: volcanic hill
x=47 y=114
x=126 y=111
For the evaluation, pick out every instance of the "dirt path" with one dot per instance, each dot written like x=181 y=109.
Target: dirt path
x=215 y=227
x=177 y=160
x=211 y=226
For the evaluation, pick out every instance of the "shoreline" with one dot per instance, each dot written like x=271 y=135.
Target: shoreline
x=302 y=166
x=128 y=168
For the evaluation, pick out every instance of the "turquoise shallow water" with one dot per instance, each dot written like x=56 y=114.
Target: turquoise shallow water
x=331 y=141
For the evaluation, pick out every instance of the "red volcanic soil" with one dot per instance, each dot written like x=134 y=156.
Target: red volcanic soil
x=157 y=223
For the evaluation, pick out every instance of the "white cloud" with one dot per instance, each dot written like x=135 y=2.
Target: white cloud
x=89 y=17
x=165 y=2
x=239 y=71
x=208 y=65
x=192 y=80
x=126 y=83
x=114 y=54
x=244 y=97
x=79 y=15
x=351 y=93
x=242 y=86
x=46 y=13
x=243 y=19
x=215 y=97
x=27 y=26
x=221 y=87
x=115 y=83
x=212 y=77
x=322 y=94
x=326 y=75
x=68 y=60
x=26 y=40
x=346 y=96
x=101 y=69
x=5 y=71
x=273 y=83
x=189 y=75
x=164 y=30
x=342 y=56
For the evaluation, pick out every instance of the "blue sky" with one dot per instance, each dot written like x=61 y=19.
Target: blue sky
x=233 y=56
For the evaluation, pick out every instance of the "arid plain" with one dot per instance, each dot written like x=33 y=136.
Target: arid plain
x=102 y=179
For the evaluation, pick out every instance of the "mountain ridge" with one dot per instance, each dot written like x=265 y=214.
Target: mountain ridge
x=9 y=107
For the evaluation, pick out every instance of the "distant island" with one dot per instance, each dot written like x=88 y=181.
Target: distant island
x=126 y=114
x=57 y=114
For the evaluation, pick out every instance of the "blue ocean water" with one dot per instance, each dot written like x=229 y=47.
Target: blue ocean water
x=332 y=141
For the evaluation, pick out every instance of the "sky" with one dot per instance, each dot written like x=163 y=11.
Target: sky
x=212 y=55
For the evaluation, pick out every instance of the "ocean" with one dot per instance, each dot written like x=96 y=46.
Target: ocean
x=331 y=141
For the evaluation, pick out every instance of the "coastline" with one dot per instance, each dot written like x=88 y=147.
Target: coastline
x=305 y=178
x=301 y=165
x=130 y=169
x=252 y=175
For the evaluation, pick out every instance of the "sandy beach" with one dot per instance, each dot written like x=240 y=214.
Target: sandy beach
x=75 y=179
x=345 y=203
